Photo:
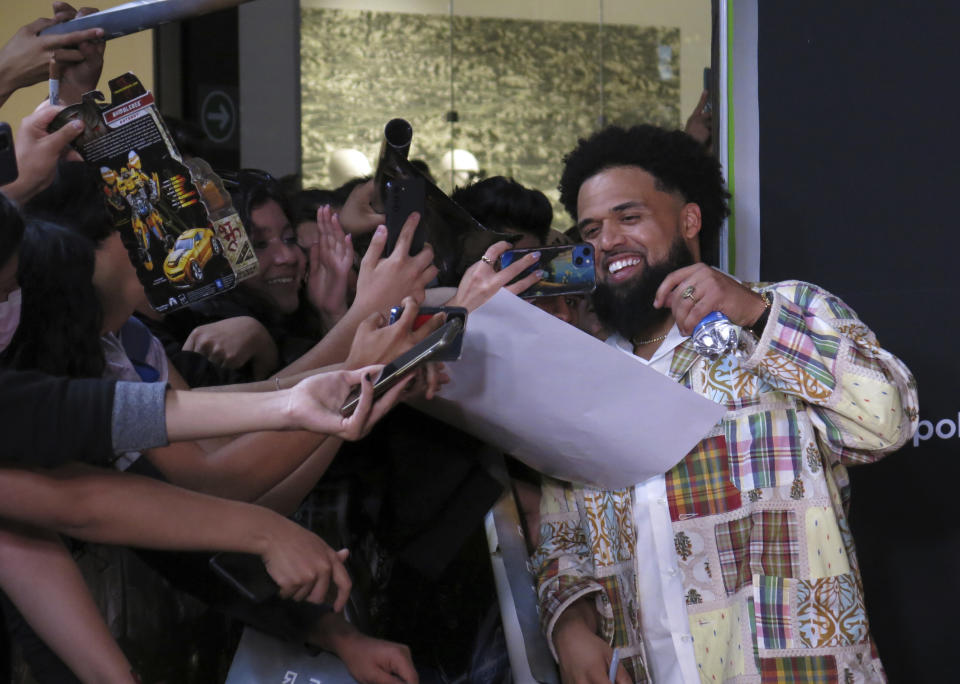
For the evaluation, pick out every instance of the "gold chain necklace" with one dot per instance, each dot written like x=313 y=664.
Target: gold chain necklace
x=640 y=343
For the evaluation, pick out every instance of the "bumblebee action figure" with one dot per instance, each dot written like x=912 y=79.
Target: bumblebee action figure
x=140 y=192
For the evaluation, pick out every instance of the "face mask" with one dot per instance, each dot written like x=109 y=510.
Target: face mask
x=9 y=318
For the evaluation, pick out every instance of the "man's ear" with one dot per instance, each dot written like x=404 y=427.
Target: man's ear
x=691 y=220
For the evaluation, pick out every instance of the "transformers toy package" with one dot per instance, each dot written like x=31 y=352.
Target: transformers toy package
x=174 y=216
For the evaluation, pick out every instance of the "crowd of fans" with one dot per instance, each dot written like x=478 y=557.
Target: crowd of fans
x=106 y=446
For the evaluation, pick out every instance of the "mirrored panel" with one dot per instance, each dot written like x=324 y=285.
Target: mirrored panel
x=491 y=87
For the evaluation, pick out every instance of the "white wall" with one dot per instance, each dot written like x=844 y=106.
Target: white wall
x=745 y=148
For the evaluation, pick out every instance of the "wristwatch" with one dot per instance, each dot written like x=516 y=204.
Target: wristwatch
x=761 y=323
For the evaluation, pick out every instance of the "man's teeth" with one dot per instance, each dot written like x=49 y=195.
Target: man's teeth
x=621 y=264
x=279 y=281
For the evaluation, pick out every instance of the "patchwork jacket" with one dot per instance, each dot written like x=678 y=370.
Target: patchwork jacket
x=758 y=508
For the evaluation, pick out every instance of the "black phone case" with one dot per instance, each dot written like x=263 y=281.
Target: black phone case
x=404 y=196
x=246 y=573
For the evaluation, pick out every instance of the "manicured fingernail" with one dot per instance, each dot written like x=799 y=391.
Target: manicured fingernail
x=77 y=123
x=533 y=256
x=381 y=229
x=541 y=273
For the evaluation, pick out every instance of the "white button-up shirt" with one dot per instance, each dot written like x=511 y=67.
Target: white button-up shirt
x=663 y=608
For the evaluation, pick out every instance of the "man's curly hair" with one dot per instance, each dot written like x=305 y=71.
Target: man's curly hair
x=677 y=162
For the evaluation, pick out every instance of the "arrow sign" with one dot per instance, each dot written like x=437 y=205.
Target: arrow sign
x=218 y=116
x=221 y=117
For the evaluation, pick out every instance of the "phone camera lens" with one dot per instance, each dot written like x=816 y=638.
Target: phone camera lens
x=578 y=261
x=586 y=251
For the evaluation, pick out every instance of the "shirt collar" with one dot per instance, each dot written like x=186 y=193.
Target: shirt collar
x=661 y=357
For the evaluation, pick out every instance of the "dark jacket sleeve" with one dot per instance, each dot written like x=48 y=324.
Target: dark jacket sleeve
x=48 y=421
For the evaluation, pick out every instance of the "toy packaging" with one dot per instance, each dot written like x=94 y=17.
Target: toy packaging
x=174 y=216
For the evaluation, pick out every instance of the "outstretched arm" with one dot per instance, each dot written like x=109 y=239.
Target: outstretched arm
x=120 y=508
x=286 y=496
x=32 y=558
x=249 y=466
x=382 y=283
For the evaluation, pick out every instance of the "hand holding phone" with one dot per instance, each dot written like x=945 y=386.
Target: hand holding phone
x=246 y=573
x=403 y=365
x=405 y=195
x=44 y=150
x=450 y=353
x=482 y=280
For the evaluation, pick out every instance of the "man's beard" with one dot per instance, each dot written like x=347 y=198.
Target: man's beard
x=628 y=308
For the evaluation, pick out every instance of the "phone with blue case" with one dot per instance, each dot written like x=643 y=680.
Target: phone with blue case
x=569 y=269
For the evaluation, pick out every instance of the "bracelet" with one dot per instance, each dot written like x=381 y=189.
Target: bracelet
x=761 y=322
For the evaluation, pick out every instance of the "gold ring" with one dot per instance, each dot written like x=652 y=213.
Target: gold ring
x=485 y=259
x=688 y=293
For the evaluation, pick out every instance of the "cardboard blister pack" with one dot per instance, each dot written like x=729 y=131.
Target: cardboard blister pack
x=174 y=216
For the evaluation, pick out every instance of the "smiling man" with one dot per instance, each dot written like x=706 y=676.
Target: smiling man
x=737 y=564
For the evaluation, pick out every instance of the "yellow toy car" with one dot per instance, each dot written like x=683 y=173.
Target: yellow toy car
x=190 y=253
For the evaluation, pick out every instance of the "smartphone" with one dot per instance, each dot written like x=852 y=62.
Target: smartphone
x=416 y=356
x=405 y=195
x=427 y=312
x=569 y=269
x=246 y=573
x=8 y=155
x=451 y=353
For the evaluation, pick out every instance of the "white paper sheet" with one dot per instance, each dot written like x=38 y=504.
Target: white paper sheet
x=565 y=403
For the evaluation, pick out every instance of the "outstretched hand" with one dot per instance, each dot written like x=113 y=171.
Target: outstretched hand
x=39 y=151
x=383 y=281
x=80 y=76
x=303 y=565
x=369 y=660
x=314 y=403
x=375 y=661
x=481 y=281
x=331 y=258
x=25 y=58
x=233 y=342
x=377 y=342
